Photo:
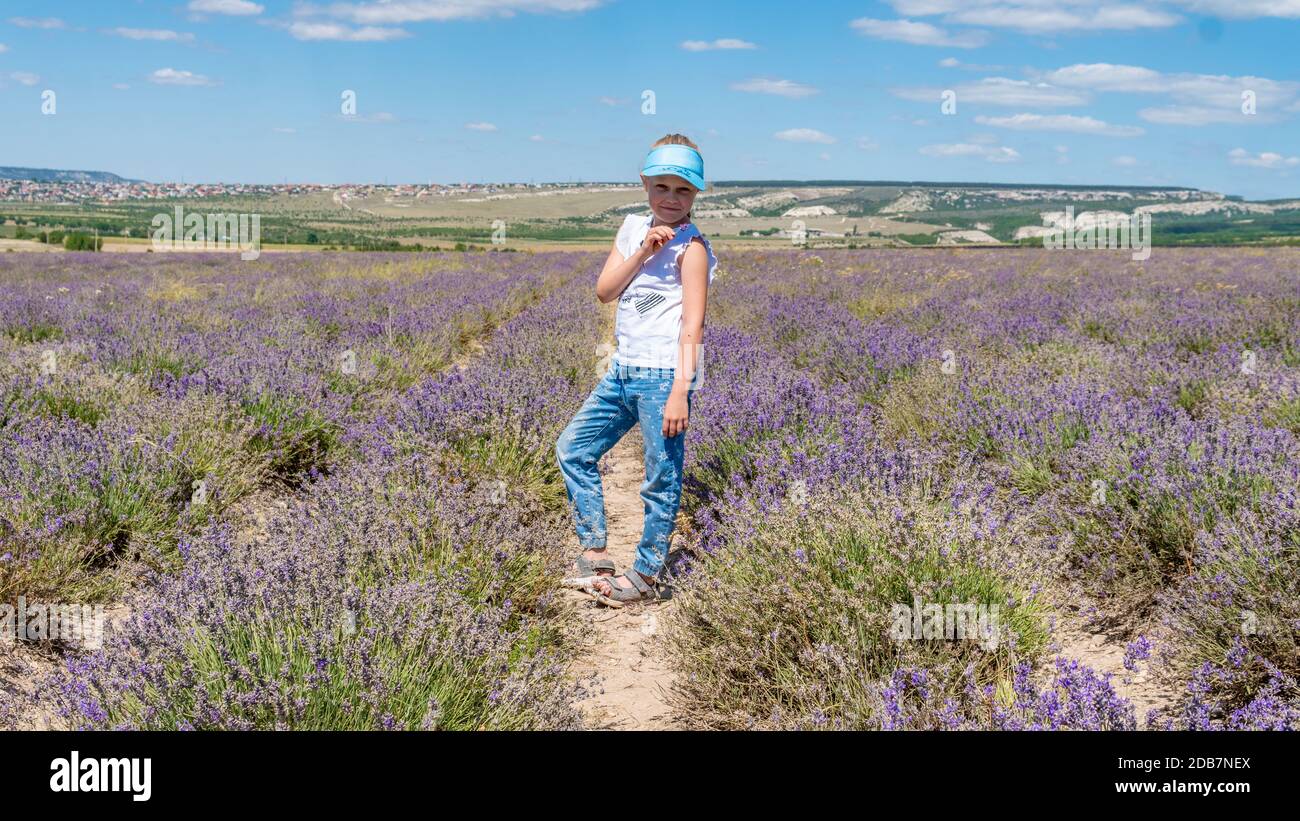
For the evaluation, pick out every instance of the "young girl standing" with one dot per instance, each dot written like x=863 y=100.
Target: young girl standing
x=659 y=270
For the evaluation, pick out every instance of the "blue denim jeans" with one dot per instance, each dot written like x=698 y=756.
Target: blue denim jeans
x=626 y=395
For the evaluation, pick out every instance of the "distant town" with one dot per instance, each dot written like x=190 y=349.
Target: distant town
x=106 y=193
x=42 y=207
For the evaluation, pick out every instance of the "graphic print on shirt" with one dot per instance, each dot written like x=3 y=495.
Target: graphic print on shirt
x=647 y=302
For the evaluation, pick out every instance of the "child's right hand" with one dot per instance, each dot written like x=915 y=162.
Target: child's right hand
x=655 y=239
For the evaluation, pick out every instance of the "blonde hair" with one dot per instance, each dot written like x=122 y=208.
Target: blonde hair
x=677 y=139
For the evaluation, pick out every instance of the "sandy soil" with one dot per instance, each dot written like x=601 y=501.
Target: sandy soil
x=621 y=645
x=1105 y=654
x=25 y=666
x=22 y=669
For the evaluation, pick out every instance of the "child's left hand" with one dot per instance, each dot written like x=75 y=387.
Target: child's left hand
x=675 y=412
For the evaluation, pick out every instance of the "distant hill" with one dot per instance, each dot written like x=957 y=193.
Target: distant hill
x=934 y=184
x=56 y=175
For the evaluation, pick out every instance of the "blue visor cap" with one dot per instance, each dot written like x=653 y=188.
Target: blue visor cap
x=680 y=160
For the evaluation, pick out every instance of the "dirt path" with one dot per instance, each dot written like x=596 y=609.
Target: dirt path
x=621 y=645
x=24 y=669
x=1105 y=654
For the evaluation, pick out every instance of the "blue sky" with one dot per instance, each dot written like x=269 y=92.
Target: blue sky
x=1072 y=91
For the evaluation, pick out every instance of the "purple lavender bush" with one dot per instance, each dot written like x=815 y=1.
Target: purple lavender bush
x=385 y=599
x=141 y=397
x=1073 y=698
x=797 y=613
x=1241 y=691
x=411 y=582
x=1034 y=430
x=1136 y=422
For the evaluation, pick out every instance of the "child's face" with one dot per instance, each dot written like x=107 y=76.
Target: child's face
x=670 y=196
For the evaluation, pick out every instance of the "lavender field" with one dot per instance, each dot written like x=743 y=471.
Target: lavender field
x=320 y=490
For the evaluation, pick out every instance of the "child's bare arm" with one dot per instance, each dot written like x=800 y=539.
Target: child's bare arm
x=618 y=272
x=695 y=299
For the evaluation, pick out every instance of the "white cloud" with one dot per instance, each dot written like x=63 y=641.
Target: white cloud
x=121 y=86
x=1125 y=161
x=867 y=144
x=1032 y=18
x=1196 y=115
x=152 y=34
x=1244 y=8
x=285 y=130
x=377 y=117
x=1196 y=99
x=610 y=100
x=240 y=8
x=781 y=88
x=3 y=48
x=1061 y=122
x=537 y=138
x=1109 y=77
x=1266 y=159
x=723 y=44
x=1000 y=91
x=1204 y=89
x=1041 y=16
x=953 y=62
x=918 y=34
x=990 y=153
x=25 y=77
x=804 y=135
x=420 y=11
x=37 y=22
x=304 y=30
x=480 y=126
x=172 y=77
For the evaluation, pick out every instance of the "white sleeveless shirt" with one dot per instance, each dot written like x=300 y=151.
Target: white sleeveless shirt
x=649 y=317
